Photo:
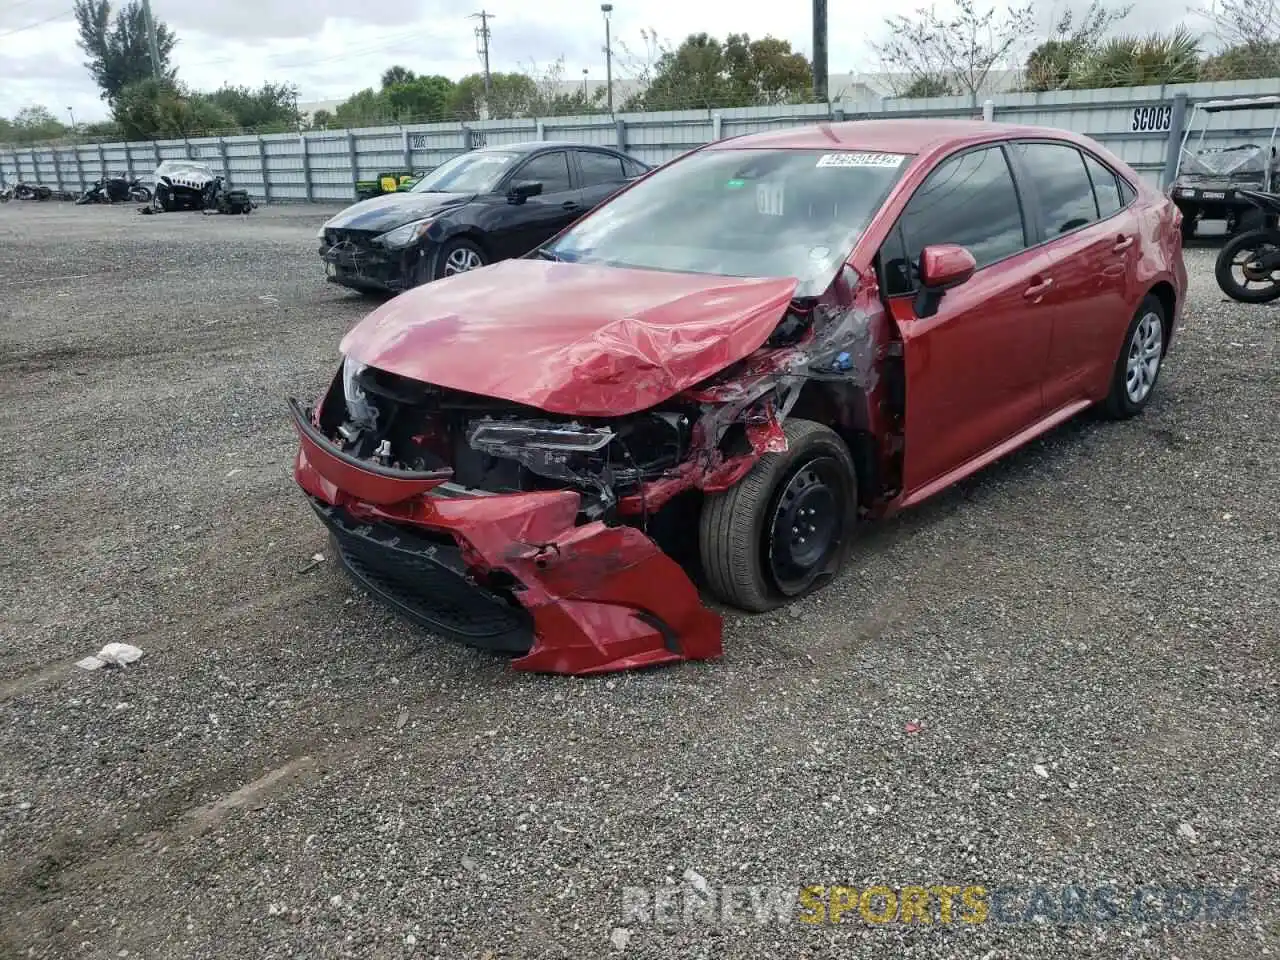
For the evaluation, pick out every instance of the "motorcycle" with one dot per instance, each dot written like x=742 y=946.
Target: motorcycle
x=1253 y=257
x=116 y=190
x=27 y=191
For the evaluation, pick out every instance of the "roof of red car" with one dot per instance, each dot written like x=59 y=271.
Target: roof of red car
x=891 y=136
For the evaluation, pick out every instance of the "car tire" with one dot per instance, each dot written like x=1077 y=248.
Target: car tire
x=458 y=255
x=1137 y=368
x=752 y=550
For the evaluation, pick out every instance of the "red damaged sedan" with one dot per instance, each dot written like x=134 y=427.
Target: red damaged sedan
x=720 y=372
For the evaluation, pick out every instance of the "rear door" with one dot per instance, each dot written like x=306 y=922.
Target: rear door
x=974 y=368
x=536 y=220
x=1091 y=235
x=600 y=174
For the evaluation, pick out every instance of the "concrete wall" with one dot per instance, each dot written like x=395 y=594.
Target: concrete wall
x=1137 y=123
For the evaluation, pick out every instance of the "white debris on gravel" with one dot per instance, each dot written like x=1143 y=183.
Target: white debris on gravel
x=620 y=937
x=112 y=655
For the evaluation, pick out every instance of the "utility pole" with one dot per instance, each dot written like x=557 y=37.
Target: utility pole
x=152 y=45
x=606 y=9
x=482 y=37
x=820 y=51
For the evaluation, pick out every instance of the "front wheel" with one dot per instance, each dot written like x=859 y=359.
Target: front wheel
x=1248 y=265
x=783 y=530
x=140 y=194
x=459 y=255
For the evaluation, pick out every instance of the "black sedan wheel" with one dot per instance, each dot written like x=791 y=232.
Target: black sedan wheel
x=783 y=530
x=458 y=256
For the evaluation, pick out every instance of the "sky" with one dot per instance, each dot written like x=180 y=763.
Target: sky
x=331 y=48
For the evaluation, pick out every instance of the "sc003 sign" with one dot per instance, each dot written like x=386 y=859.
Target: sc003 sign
x=1152 y=119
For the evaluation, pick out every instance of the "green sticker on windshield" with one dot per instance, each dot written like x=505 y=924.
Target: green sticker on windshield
x=735 y=184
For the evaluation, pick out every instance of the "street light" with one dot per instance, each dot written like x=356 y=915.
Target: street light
x=606 y=9
x=584 y=83
x=73 y=119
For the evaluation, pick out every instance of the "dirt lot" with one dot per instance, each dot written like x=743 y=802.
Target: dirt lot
x=1088 y=634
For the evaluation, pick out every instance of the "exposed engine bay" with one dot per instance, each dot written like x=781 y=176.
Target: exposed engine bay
x=493 y=446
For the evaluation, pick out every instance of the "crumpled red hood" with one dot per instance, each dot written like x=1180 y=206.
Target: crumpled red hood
x=571 y=338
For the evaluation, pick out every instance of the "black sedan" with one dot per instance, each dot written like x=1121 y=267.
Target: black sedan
x=474 y=209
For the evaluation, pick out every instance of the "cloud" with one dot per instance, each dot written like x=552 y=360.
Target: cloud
x=331 y=48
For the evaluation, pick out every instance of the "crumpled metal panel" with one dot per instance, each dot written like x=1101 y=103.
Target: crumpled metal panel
x=577 y=339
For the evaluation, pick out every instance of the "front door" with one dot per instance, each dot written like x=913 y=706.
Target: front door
x=538 y=219
x=974 y=368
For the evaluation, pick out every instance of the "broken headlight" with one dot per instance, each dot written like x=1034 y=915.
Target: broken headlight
x=359 y=408
x=404 y=236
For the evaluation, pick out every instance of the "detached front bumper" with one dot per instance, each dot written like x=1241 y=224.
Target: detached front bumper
x=508 y=572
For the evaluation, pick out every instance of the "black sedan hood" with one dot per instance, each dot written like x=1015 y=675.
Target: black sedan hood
x=391 y=210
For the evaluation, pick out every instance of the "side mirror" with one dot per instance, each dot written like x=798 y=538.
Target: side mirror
x=522 y=191
x=942 y=267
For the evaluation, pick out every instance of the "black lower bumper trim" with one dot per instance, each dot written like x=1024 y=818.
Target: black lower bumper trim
x=425 y=580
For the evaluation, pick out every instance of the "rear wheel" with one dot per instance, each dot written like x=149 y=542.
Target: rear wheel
x=784 y=529
x=1138 y=366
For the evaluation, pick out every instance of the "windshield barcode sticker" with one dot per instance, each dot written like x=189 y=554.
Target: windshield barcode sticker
x=860 y=159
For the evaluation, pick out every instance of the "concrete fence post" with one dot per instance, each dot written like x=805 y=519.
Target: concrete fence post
x=306 y=167
x=353 y=163
x=266 y=174
x=620 y=133
x=80 y=184
x=155 y=148
x=715 y=127
x=102 y=161
x=406 y=152
x=57 y=168
x=988 y=110
x=1173 y=147
x=128 y=161
x=540 y=130
x=226 y=164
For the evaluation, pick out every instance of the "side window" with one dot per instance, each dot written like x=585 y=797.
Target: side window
x=1127 y=193
x=552 y=169
x=969 y=200
x=599 y=168
x=1063 y=185
x=632 y=168
x=1106 y=188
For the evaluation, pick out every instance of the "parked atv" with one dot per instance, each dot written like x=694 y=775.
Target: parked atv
x=1248 y=266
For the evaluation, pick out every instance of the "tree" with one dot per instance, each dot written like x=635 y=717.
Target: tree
x=156 y=109
x=119 y=54
x=1244 y=61
x=553 y=101
x=322 y=120
x=1133 y=61
x=396 y=75
x=363 y=109
x=418 y=98
x=272 y=108
x=927 y=86
x=960 y=50
x=1244 y=23
x=1072 y=42
x=31 y=125
x=703 y=72
x=513 y=95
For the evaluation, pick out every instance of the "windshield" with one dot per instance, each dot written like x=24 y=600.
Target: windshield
x=467 y=173
x=741 y=213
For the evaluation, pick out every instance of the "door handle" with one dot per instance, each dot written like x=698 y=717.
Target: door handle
x=1038 y=290
x=1122 y=243
x=570 y=204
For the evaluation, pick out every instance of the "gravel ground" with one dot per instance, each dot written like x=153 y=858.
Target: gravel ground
x=1062 y=672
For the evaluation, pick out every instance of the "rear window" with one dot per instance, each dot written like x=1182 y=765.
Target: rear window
x=1105 y=187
